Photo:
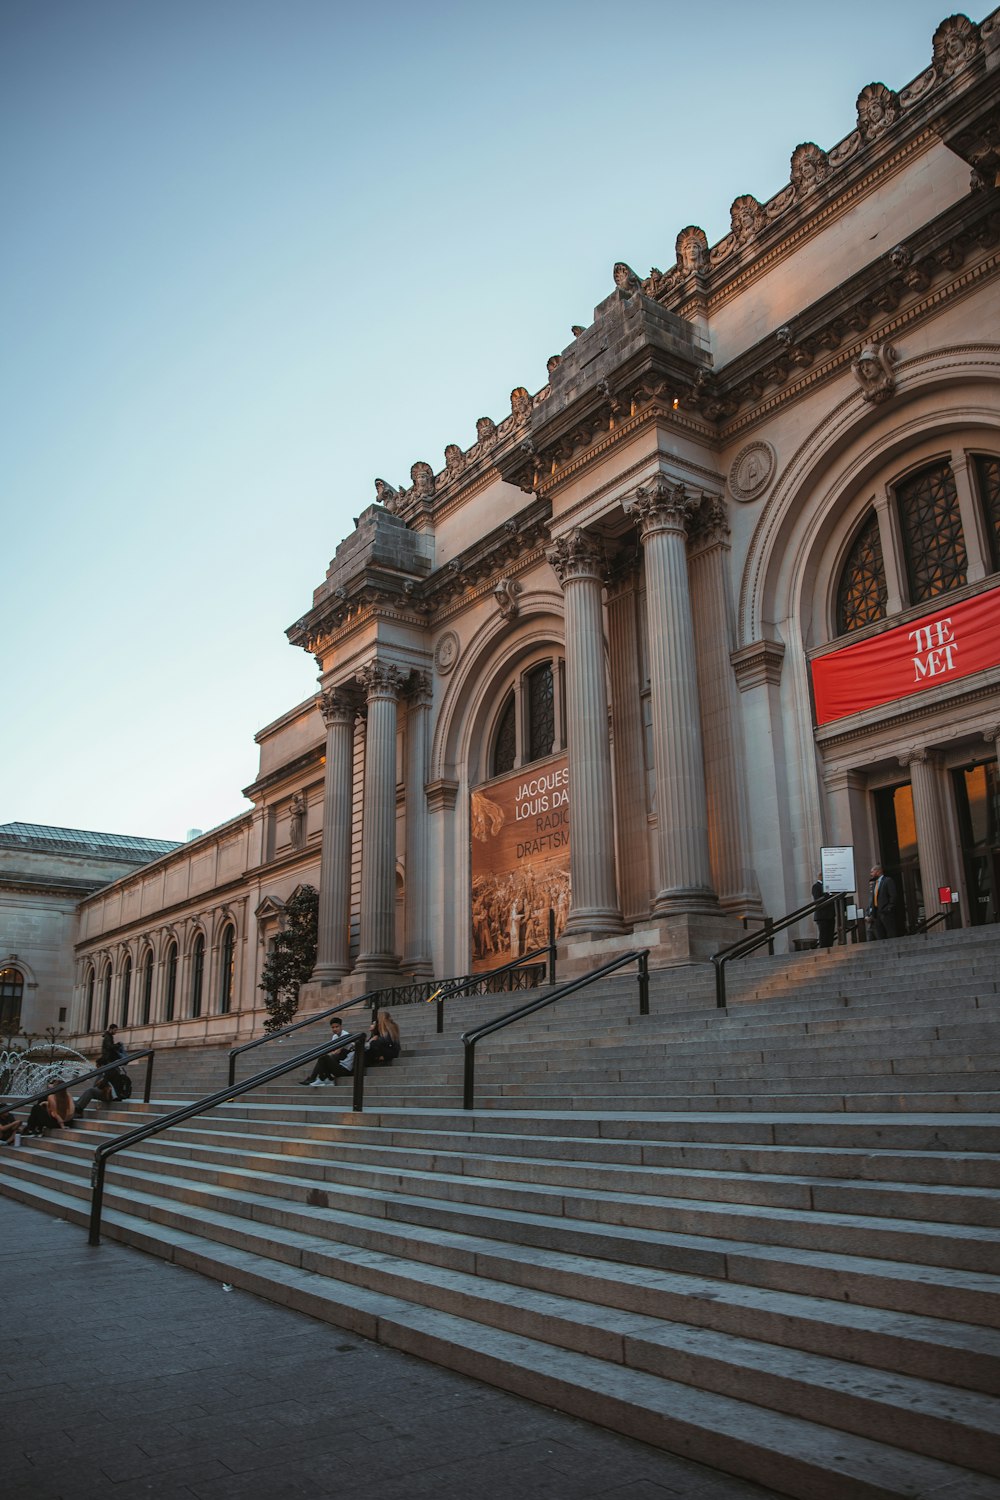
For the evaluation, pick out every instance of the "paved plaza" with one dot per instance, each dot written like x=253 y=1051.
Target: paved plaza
x=125 y=1376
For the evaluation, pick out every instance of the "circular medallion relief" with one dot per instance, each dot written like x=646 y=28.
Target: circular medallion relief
x=446 y=652
x=752 y=471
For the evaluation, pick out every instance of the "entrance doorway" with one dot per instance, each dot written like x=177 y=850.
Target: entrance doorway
x=977 y=797
x=897 y=842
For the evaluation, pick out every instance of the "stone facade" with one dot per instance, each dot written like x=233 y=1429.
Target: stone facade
x=741 y=467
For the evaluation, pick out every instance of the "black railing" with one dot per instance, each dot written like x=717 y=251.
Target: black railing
x=524 y=973
x=926 y=923
x=754 y=940
x=321 y=1015
x=201 y=1106
x=470 y=1038
x=21 y=1102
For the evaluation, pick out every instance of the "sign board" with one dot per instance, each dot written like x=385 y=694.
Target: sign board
x=520 y=861
x=837 y=868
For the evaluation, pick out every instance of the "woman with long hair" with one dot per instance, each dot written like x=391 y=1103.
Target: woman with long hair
x=382 y=1045
x=54 y=1112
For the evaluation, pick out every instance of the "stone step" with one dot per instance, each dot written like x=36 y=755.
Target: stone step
x=939 y=1420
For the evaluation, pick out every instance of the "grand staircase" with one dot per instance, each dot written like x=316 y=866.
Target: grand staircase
x=767 y=1238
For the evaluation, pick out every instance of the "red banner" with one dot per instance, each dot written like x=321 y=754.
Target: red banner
x=956 y=641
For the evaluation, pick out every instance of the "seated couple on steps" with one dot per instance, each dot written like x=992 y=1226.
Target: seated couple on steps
x=381 y=1047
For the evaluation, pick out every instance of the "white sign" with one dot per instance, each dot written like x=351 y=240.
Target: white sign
x=837 y=868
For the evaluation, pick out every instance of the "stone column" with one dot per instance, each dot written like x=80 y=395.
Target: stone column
x=381 y=683
x=663 y=510
x=992 y=737
x=417 y=954
x=715 y=632
x=977 y=548
x=577 y=563
x=923 y=768
x=629 y=760
x=332 y=938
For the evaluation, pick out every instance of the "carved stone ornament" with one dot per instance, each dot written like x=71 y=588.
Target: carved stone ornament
x=810 y=168
x=486 y=431
x=520 y=404
x=337 y=707
x=752 y=470
x=625 y=279
x=454 y=460
x=878 y=111
x=422 y=477
x=692 y=250
x=507 y=594
x=661 y=504
x=873 y=372
x=446 y=653
x=296 y=821
x=553 y=362
x=956 y=43
x=386 y=495
x=747 y=219
x=575 y=555
x=900 y=257
x=576 y=330
x=419 y=692
x=380 y=680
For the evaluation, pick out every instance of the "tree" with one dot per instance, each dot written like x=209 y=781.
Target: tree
x=291 y=959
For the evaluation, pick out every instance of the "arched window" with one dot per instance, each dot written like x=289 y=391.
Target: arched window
x=126 y=990
x=197 y=974
x=226 y=969
x=88 y=1018
x=987 y=469
x=531 y=720
x=147 y=987
x=11 y=994
x=171 y=996
x=931 y=525
x=861 y=595
x=106 y=998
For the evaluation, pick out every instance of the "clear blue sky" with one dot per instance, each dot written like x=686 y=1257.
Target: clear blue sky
x=256 y=253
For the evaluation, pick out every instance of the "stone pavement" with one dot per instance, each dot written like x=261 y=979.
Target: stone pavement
x=124 y=1376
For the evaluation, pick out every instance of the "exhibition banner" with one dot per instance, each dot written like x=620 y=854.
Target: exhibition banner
x=955 y=641
x=520 y=862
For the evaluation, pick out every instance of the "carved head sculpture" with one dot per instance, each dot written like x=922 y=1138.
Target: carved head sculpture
x=520 y=404
x=422 y=476
x=553 y=362
x=486 y=430
x=810 y=167
x=878 y=111
x=625 y=279
x=692 y=250
x=873 y=371
x=454 y=459
x=956 y=43
x=746 y=218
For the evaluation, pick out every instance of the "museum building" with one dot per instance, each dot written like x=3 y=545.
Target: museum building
x=723 y=592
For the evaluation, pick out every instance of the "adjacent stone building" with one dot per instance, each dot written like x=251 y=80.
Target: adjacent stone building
x=724 y=591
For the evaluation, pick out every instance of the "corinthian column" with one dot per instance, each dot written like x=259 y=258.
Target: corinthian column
x=715 y=632
x=594 y=908
x=923 y=768
x=417 y=954
x=663 y=510
x=333 y=928
x=381 y=684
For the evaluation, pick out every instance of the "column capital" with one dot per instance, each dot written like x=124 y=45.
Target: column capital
x=916 y=755
x=710 y=523
x=337 y=707
x=379 y=679
x=661 y=505
x=419 y=692
x=576 y=555
x=992 y=735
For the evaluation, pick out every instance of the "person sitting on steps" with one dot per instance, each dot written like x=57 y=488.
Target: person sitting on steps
x=327 y=1067
x=52 y=1113
x=382 y=1045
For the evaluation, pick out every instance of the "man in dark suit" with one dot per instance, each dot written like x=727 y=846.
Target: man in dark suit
x=882 y=904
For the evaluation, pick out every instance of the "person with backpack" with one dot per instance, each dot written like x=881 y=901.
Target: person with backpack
x=111 y=1051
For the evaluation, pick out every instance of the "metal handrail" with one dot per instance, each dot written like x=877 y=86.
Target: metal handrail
x=120 y=1062
x=749 y=944
x=926 y=923
x=201 y=1106
x=455 y=987
x=470 y=1038
x=310 y=1020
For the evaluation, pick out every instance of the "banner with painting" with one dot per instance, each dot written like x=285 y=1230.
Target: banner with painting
x=520 y=862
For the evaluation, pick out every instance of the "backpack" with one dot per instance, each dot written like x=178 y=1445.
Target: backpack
x=124 y=1087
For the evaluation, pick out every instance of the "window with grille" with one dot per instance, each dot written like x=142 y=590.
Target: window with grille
x=197 y=974
x=505 y=745
x=931 y=527
x=88 y=1020
x=988 y=483
x=170 y=1004
x=126 y=991
x=862 y=593
x=11 y=993
x=541 y=712
x=106 y=1000
x=147 y=987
